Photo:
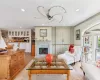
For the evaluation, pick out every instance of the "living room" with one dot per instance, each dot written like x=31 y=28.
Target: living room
x=50 y=40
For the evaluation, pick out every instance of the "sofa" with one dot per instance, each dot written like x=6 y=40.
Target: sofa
x=69 y=59
x=91 y=72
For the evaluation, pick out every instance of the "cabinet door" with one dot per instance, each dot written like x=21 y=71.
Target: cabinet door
x=21 y=33
x=62 y=35
x=15 y=33
x=24 y=33
x=18 y=33
x=27 y=33
x=9 y=33
x=12 y=33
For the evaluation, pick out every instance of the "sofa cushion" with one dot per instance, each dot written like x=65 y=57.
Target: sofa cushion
x=91 y=71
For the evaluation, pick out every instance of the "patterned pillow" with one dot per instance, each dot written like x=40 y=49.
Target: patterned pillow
x=98 y=63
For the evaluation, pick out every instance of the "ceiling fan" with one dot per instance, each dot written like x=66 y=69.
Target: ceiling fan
x=51 y=17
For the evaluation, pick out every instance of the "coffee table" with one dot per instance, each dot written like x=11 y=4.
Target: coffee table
x=58 y=66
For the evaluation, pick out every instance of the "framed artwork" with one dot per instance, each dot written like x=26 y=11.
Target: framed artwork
x=86 y=41
x=78 y=34
x=43 y=32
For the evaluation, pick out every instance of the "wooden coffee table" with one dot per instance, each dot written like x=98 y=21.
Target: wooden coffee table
x=58 y=66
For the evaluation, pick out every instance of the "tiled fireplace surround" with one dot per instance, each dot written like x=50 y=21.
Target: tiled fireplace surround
x=43 y=44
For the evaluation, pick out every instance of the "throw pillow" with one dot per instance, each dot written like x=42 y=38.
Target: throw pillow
x=98 y=63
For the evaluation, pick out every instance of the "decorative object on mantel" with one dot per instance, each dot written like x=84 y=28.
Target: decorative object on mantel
x=49 y=16
x=78 y=34
x=43 y=32
x=49 y=59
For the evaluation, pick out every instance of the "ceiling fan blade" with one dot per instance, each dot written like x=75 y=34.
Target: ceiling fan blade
x=59 y=9
x=41 y=11
x=38 y=17
x=59 y=15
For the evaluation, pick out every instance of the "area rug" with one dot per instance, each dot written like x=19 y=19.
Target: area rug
x=75 y=75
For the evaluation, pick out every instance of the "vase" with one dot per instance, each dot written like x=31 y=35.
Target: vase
x=49 y=59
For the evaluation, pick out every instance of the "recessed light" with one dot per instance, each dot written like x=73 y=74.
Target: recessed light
x=77 y=9
x=23 y=10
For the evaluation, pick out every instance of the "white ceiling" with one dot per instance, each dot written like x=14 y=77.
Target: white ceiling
x=11 y=15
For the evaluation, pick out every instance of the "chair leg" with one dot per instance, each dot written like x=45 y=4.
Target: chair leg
x=74 y=60
x=84 y=73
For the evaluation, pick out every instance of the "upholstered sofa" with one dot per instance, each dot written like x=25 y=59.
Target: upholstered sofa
x=91 y=71
x=69 y=59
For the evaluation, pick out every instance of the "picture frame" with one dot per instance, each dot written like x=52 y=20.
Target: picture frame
x=78 y=34
x=43 y=32
x=86 y=41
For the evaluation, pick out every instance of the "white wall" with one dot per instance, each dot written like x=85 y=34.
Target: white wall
x=37 y=33
x=72 y=35
x=86 y=25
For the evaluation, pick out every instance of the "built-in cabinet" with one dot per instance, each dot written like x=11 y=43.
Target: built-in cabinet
x=17 y=33
x=61 y=39
x=20 y=35
x=62 y=35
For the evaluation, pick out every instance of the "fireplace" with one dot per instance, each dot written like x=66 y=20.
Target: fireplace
x=43 y=51
x=43 y=48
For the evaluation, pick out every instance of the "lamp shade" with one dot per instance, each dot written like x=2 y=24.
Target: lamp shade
x=2 y=43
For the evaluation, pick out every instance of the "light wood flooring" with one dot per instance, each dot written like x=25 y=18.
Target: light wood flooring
x=28 y=58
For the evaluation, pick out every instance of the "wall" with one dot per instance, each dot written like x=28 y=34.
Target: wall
x=64 y=36
x=86 y=25
x=37 y=33
x=72 y=35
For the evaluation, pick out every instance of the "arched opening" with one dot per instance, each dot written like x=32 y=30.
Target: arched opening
x=91 y=42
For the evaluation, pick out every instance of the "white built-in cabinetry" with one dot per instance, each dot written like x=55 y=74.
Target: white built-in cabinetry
x=62 y=35
x=19 y=33
x=23 y=34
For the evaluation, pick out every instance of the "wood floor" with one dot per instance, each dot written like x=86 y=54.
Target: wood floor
x=28 y=58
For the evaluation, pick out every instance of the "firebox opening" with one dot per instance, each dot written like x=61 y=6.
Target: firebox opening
x=43 y=50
